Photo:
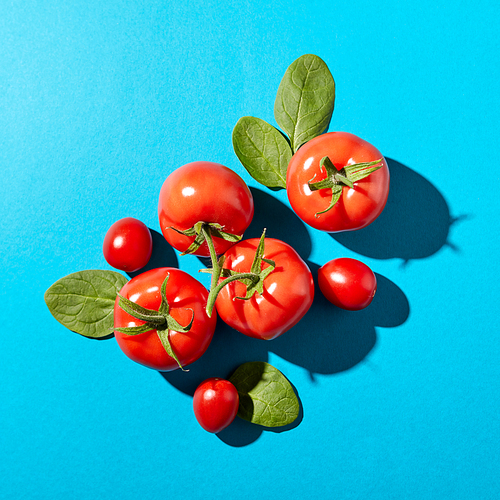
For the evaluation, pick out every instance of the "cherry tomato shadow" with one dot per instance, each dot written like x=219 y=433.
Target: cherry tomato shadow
x=415 y=223
x=330 y=340
x=163 y=255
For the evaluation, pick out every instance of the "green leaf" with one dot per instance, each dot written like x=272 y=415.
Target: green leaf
x=305 y=100
x=84 y=301
x=266 y=396
x=263 y=151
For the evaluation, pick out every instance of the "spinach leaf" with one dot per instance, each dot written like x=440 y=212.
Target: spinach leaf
x=305 y=100
x=266 y=396
x=262 y=150
x=84 y=301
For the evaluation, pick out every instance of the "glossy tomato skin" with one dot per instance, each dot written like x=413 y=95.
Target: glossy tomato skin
x=128 y=245
x=208 y=192
x=347 y=283
x=358 y=206
x=215 y=404
x=288 y=291
x=186 y=296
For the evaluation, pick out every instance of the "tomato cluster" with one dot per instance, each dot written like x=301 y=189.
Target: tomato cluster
x=261 y=287
x=165 y=319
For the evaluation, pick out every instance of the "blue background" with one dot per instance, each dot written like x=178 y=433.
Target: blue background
x=100 y=101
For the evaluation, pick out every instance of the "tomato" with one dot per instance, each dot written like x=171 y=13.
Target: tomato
x=208 y=192
x=215 y=404
x=288 y=291
x=347 y=283
x=186 y=298
x=128 y=245
x=358 y=206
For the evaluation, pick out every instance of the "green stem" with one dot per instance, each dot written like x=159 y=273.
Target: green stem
x=256 y=276
x=214 y=291
x=216 y=269
x=337 y=179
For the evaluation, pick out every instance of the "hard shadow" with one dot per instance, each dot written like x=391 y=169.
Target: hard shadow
x=331 y=340
x=228 y=350
x=280 y=223
x=163 y=255
x=415 y=223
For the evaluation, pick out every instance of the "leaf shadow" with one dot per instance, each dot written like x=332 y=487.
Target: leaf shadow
x=415 y=223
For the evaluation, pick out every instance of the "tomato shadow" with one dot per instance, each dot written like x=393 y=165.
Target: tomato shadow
x=415 y=223
x=280 y=223
x=163 y=255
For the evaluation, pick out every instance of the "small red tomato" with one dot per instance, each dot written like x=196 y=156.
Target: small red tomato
x=347 y=283
x=215 y=404
x=128 y=245
x=204 y=191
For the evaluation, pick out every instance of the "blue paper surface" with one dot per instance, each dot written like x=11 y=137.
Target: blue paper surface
x=100 y=101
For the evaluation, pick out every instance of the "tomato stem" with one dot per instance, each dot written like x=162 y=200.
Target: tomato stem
x=337 y=179
x=207 y=233
x=253 y=280
x=160 y=320
x=200 y=235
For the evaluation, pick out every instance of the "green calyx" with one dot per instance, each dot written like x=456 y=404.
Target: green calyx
x=337 y=179
x=160 y=320
x=199 y=232
x=254 y=280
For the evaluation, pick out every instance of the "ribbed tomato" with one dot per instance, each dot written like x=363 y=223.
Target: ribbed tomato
x=288 y=291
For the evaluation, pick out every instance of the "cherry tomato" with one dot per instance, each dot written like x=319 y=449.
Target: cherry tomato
x=208 y=192
x=215 y=404
x=358 y=206
x=187 y=300
x=287 y=294
x=347 y=283
x=128 y=245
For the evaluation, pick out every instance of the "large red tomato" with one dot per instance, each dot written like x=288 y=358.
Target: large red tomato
x=208 y=192
x=288 y=290
x=357 y=206
x=186 y=298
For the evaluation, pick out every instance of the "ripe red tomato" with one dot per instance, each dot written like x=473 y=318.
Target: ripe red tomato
x=128 y=245
x=347 y=283
x=215 y=404
x=187 y=299
x=208 y=192
x=288 y=290
x=358 y=206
